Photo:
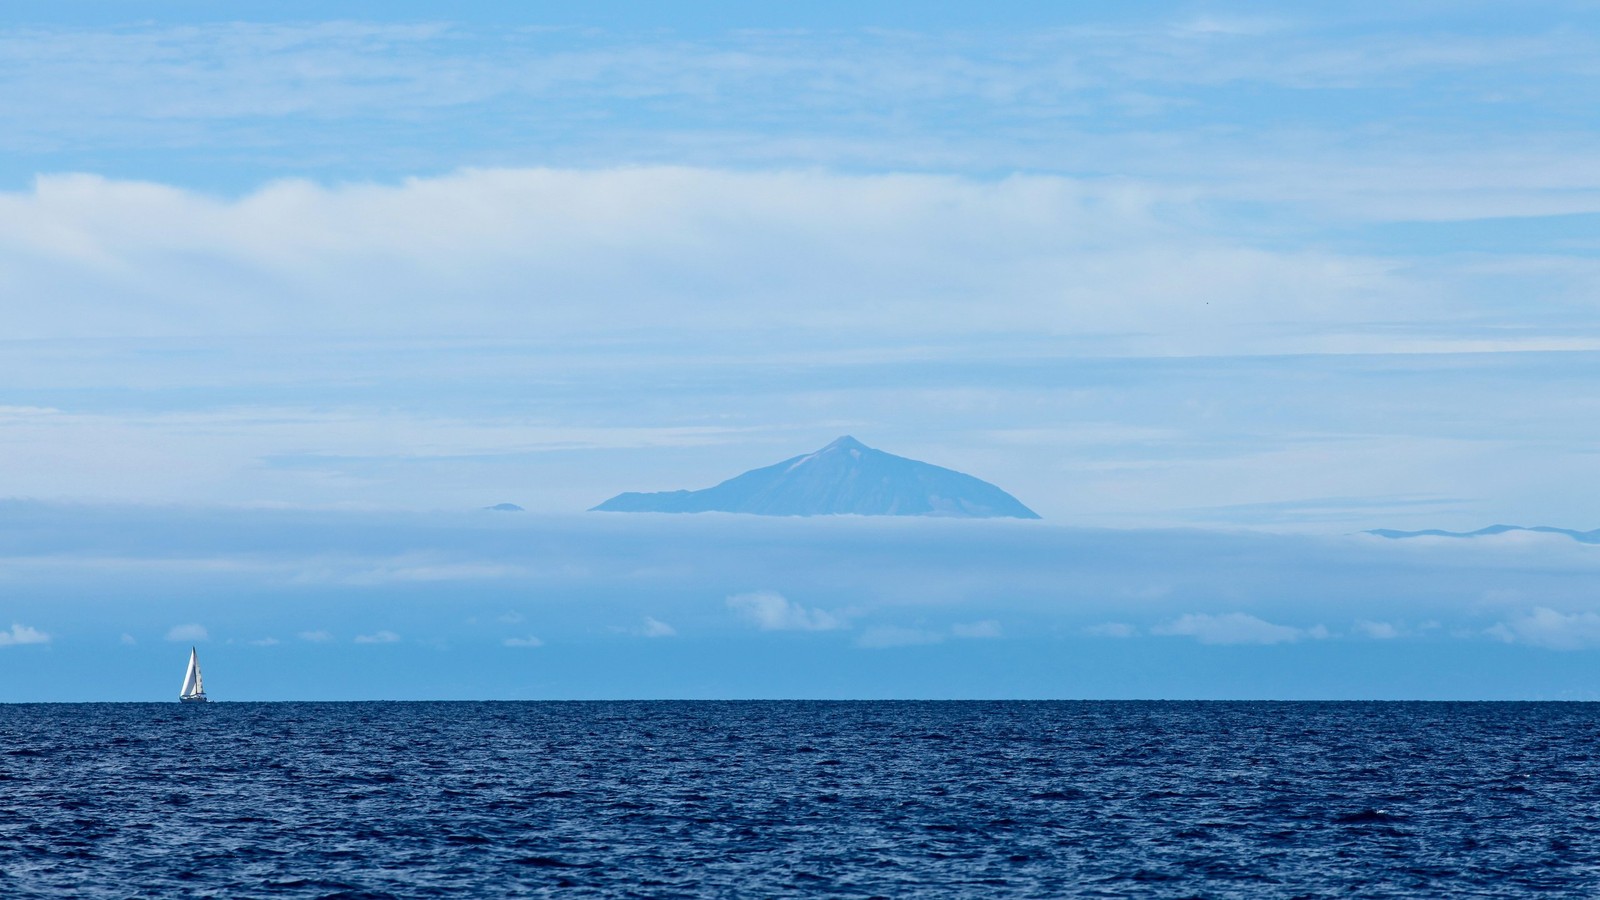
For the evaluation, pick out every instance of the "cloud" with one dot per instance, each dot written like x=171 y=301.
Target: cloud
x=1382 y=631
x=1111 y=630
x=1544 y=627
x=389 y=573
x=128 y=640
x=315 y=637
x=771 y=611
x=529 y=641
x=694 y=249
x=1235 y=628
x=190 y=632
x=265 y=642
x=988 y=628
x=655 y=628
x=22 y=634
x=378 y=637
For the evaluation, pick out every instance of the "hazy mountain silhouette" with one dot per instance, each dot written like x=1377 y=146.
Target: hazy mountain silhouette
x=845 y=477
x=1587 y=537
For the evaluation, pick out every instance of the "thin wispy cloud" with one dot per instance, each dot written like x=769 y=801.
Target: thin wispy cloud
x=189 y=632
x=988 y=628
x=1235 y=628
x=655 y=628
x=779 y=98
x=378 y=637
x=315 y=637
x=528 y=641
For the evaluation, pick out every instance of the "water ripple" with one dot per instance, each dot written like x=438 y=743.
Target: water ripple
x=799 y=799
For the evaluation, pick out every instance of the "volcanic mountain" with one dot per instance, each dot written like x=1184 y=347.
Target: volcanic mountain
x=844 y=478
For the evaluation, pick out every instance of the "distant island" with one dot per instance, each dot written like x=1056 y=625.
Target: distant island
x=1586 y=537
x=504 y=507
x=844 y=478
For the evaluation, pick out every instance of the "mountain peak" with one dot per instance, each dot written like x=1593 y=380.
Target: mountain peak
x=845 y=443
x=844 y=477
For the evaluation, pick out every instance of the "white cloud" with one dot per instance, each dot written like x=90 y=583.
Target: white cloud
x=895 y=636
x=22 y=634
x=770 y=611
x=315 y=637
x=190 y=632
x=265 y=642
x=378 y=637
x=529 y=641
x=1111 y=630
x=1382 y=631
x=988 y=628
x=128 y=640
x=1544 y=627
x=655 y=628
x=1235 y=628
x=532 y=252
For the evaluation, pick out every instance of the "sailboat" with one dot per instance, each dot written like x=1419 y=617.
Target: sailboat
x=194 y=690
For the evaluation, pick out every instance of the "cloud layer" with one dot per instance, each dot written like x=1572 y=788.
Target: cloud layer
x=851 y=607
x=529 y=251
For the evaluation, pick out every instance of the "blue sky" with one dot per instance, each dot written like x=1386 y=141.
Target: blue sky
x=1269 y=272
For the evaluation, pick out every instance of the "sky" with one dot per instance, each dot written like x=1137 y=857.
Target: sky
x=1195 y=281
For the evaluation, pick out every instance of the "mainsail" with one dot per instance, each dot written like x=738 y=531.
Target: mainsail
x=193 y=686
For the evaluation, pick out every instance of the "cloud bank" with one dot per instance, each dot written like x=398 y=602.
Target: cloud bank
x=530 y=251
x=851 y=608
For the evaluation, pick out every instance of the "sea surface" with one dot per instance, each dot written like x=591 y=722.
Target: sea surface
x=800 y=799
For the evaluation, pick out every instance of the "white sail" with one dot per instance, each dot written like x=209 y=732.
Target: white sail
x=192 y=684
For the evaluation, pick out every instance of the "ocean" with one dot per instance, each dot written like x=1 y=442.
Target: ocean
x=800 y=799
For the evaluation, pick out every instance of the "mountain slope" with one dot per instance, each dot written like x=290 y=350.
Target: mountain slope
x=845 y=477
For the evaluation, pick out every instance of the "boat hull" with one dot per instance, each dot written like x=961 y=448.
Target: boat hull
x=199 y=699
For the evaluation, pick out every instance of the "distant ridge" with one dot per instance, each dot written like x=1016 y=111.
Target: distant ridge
x=844 y=478
x=1586 y=537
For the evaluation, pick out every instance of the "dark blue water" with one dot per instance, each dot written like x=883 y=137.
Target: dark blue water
x=800 y=799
